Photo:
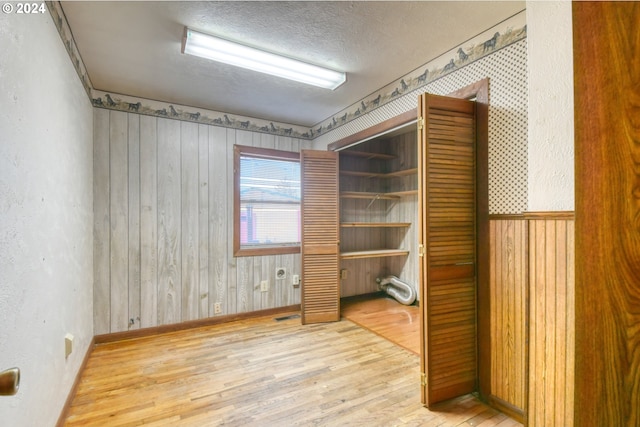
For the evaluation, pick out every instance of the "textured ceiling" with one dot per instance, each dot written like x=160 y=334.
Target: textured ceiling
x=133 y=48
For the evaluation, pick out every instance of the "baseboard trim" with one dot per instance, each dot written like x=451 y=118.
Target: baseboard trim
x=74 y=388
x=175 y=327
x=507 y=408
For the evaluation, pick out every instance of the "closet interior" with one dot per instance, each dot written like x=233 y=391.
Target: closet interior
x=378 y=211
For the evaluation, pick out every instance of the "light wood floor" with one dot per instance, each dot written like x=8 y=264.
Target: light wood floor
x=263 y=372
x=386 y=317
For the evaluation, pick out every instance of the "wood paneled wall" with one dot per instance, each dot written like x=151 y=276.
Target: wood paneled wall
x=508 y=294
x=532 y=287
x=552 y=322
x=163 y=205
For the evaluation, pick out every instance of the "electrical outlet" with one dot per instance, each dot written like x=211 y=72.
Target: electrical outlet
x=264 y=286
x=295 y=279
x=343 y=273
x=217 y=308
x=281 y=273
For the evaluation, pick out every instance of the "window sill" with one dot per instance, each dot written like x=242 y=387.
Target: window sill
x=264 y=251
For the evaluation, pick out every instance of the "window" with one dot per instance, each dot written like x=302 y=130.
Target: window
x=266 y=201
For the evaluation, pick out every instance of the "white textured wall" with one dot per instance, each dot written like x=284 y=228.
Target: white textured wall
x=46 y=270
x=550 y=64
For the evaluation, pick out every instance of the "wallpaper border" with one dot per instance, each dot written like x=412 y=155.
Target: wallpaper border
x=490 y=41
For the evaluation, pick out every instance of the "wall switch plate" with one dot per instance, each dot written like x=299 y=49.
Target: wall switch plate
x=343 y=273
x=217 y=308
x=264 y=286
x=295 y=279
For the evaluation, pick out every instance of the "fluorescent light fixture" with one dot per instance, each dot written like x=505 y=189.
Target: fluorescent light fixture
x=221 y=50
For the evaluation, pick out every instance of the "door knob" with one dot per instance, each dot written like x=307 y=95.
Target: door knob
x=9 y=382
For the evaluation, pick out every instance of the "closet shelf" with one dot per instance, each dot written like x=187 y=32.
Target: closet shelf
x=379 y=253
x=403 y=193
x=405 y=172
x=366 y=155
x=375 y=224
x=363 y=195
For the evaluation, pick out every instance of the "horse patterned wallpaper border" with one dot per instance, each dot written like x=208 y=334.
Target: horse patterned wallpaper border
x=500 y=36
x=486 y=43
x=60 y=21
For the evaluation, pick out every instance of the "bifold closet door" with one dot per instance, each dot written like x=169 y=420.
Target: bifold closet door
x=320 y=296
x=447 y=233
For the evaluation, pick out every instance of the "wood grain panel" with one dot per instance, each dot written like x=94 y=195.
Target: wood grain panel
x=203 y=222
x=231 y=293
x=607 y=156
x=134 y=221
x=169 y=237
x=508 y=284
x=189 y=215
x=119 y=220
x=218 y=226
x=101 y=223
x=551 y=309
x=148 y=222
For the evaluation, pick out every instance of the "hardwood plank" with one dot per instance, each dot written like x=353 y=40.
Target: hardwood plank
x=255 y=376
x=385 y=317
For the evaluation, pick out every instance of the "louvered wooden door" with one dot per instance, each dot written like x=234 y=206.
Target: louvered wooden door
x=320 y=300
x=447 y=233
